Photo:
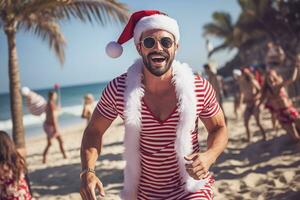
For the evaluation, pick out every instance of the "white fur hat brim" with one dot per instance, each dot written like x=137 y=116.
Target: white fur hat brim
x=157 y=21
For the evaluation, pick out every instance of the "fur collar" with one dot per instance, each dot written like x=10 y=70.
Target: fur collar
x=183 y=80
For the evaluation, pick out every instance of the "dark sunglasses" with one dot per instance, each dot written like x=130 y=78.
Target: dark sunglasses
x=149 y=42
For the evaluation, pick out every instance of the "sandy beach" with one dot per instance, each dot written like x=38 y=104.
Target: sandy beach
x=259 y=170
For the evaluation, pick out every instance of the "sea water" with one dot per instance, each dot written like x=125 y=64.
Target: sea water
x=71 y=101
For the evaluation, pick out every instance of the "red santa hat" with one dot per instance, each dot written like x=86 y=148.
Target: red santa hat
x=140 y=22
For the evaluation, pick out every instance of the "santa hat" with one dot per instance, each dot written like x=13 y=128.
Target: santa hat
x=140 y=22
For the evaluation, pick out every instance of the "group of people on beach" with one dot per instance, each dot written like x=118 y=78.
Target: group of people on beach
x=161 y=101
x=256 y=87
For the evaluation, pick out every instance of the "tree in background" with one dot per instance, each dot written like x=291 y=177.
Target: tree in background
x=42 y=17
x=259 y=22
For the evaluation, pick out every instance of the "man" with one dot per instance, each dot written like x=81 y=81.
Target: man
x=160 y=100
x=250 y=95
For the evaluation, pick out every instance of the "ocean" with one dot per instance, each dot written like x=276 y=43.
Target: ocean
x=71 y=98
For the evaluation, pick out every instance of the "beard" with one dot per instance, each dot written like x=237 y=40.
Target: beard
x=158 y=71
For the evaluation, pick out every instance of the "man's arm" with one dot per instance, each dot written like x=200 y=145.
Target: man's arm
x=91 y=146
x=217 y=135
x=294 y=75
x=216 y=143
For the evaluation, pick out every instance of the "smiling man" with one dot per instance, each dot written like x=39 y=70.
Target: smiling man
x=160 y=101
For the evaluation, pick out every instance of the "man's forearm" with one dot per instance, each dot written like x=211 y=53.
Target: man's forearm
x=217 y=142
x=90 y=149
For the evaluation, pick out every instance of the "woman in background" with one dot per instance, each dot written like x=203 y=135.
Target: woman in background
x=51 y=125
x=88 y=107
x=13 y=184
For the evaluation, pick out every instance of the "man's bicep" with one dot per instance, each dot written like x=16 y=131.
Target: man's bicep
x=215 y=122
x=98 y=123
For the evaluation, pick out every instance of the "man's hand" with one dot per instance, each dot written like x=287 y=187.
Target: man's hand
x=199 y=165
x=89 y=182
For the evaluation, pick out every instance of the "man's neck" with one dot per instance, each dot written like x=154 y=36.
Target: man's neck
x=157 y=84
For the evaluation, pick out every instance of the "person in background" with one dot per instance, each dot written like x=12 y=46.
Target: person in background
x=236 y=91
x=275 y=94
x=88 y=107
x=13 y=184
x=51 y=126
x=216 y=82
x=250 y=94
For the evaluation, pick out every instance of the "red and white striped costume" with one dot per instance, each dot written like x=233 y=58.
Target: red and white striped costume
x=159 y=146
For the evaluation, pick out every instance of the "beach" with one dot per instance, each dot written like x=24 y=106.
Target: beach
x=258 y=170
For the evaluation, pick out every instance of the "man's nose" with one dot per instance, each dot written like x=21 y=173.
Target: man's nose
x=157 y=45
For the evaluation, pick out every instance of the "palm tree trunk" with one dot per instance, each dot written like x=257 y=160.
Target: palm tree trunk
x=14 y=88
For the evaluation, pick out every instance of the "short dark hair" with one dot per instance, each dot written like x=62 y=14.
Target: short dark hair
x=51 y=93
x=206 y=66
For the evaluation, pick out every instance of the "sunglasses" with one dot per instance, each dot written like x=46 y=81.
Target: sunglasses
x=165 y=42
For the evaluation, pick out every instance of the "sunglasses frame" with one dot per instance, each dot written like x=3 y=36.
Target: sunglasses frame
x=157 y=40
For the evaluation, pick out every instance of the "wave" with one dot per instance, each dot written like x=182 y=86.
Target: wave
x=29 y=119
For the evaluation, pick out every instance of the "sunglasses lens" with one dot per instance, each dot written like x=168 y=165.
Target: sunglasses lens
x=166 y=42
x=149 y=42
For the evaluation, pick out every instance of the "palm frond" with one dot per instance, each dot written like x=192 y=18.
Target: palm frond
x=223 y=19
x=36 y=6
x=102 y=11
x=218 y=48
x=47 y=30
x=214 y=29
x=2 y=4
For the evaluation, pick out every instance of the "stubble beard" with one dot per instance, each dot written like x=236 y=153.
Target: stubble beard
x=157 y=71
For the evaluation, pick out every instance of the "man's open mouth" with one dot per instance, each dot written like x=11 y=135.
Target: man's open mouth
x=155 y=58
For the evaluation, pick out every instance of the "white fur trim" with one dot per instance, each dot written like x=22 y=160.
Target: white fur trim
x=132 y=112
x=156 y=21
x=183 y=80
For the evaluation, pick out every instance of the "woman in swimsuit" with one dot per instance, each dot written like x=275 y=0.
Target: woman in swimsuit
x=276 y=95
x=51 y=125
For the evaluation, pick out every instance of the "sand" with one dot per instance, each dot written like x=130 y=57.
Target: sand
x=259 y=170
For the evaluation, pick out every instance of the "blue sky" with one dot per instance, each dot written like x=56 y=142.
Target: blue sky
x=86 y=61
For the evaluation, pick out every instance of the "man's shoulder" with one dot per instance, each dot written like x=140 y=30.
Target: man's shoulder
x=118 y=81
x=199 y=80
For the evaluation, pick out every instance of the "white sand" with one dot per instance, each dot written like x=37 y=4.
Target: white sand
x=260 y=170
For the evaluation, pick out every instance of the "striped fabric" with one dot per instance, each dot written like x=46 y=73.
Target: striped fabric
x=160 y=177
x=35 y=103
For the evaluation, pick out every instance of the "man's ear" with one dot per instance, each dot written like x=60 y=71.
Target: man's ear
x=138 y=48
x=177 y=46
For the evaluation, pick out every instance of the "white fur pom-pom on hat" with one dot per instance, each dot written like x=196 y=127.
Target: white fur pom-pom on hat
x=114 y=49
x=25 y=91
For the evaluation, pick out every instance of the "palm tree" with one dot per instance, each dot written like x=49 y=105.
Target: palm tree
x=41 y=18
x=221 y=27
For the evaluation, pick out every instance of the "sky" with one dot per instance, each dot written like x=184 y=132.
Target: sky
x=85 y=57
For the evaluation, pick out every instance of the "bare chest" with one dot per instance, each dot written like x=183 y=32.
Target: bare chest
x=161 y=106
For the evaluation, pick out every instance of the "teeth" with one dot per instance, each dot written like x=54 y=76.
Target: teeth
x=157 y=57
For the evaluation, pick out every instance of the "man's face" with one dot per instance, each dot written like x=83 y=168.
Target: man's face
x=157 y=48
